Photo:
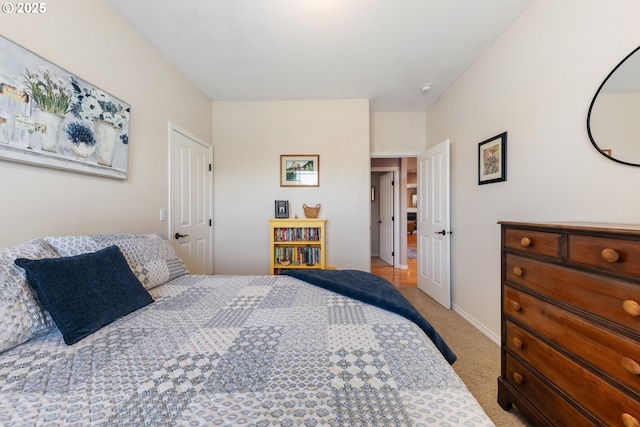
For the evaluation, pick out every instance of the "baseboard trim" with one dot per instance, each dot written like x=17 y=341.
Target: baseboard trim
x=479 y=326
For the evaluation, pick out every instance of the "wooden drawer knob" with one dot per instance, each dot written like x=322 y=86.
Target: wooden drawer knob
x=525 y=242
x=517 y=342
x=630 y=365
x=517 y=271
x=630 y=421
x=610 y=255
x=515 y=306
x=631 y=307
x=518 y=378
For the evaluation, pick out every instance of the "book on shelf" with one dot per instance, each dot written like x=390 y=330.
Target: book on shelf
x=283 y=270
x=297 y=255
x=300 y=234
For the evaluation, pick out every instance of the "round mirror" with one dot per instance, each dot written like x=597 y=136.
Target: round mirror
x=613 y=122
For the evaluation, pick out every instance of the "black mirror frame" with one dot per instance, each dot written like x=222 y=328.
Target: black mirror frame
x=591 y=108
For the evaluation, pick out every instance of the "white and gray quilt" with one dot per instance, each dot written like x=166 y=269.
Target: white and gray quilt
x=238 y=351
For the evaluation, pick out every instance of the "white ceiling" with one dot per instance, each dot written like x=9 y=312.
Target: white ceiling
x=383 y=50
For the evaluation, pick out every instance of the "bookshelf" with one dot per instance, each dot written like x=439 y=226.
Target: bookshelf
x=297 y=244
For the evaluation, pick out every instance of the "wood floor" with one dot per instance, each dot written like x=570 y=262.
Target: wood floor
x=400 y=278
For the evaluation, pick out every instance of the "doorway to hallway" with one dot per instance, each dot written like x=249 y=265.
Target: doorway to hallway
x=404 y=242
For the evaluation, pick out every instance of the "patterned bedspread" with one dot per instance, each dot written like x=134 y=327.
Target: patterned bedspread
x=238 y=350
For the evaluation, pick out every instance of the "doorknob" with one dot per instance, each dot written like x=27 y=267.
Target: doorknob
x=178 y=235
x=441 y=232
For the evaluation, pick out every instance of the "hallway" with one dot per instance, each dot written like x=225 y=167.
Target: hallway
x=400 y=278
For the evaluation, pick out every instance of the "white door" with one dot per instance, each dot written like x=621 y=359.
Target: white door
x=434 y=235
x=386 y=218
x=191 y=200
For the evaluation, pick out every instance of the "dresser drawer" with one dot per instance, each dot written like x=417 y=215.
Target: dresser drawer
x=543 y=397
x=617 y=255
x=537 y=242
x=612 y=353
x=599 y=397
x=610 y=299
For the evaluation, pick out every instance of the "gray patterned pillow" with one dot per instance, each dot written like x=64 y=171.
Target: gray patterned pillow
x=151 y=257
x=21 y=315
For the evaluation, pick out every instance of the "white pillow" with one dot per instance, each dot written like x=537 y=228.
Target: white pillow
x=21 y=315
x=151 y=257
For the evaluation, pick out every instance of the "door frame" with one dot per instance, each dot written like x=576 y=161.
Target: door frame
x=396 y=212
x=397 y=261
x=172 y=127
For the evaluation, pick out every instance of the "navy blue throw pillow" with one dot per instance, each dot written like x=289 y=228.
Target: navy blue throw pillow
x=85 y=292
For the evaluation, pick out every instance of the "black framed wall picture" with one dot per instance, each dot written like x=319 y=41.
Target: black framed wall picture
x=492 y=159
x=282 y=209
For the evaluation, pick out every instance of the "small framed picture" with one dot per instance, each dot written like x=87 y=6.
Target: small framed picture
x=282 y=209
x=492 y=159
x=299 y=170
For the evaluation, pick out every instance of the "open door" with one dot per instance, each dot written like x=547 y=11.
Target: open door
x=434 y=235
x=386 y=218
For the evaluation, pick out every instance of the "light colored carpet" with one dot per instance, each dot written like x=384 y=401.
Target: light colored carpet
x=478 y=361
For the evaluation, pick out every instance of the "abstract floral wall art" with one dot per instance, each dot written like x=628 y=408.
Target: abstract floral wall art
x=50 y=117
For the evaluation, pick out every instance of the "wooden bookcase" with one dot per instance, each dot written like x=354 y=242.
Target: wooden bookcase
x=297 y=244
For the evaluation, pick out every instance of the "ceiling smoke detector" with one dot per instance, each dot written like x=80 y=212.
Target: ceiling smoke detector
x=425 y=88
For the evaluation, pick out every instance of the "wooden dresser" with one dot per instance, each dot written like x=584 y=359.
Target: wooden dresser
x=571 y=323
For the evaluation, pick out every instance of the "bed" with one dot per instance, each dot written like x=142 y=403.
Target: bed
x=208 y=350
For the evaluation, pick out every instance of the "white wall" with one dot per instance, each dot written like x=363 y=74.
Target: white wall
x=91 y=40
x=535 y=82
x=249 y=138
x=398 y=133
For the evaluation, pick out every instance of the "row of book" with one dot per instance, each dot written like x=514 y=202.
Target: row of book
x=299 y=255
x=296 y=234
x=284 y=270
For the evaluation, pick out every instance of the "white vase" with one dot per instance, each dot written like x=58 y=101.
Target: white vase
x=107 y=137
x=47 y=127
x=13 y=102
x=82 y=150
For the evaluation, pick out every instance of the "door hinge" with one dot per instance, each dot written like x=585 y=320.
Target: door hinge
x=393 y=218
x=393 y=183
x=393 y=254
x=209 y=167
x=209 y=223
